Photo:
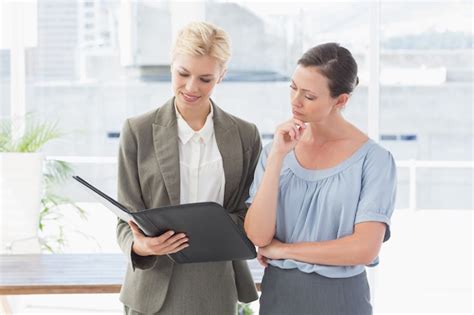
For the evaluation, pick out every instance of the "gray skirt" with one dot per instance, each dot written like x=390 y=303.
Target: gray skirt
x=291 y=291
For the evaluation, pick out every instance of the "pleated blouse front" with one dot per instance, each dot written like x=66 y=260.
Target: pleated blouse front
x=320 y=205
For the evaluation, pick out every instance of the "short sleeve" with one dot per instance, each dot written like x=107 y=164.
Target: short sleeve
x=259 y=170
x=378 y=189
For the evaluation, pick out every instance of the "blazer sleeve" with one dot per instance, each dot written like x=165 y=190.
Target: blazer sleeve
x=129 y=193
x=253 y=151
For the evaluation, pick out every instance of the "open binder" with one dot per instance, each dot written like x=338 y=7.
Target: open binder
x=213 y=235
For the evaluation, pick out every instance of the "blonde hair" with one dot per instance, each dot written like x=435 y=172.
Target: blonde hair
x=202 y=38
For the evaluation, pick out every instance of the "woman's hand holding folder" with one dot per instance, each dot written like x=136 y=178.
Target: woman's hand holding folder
x=166 y=243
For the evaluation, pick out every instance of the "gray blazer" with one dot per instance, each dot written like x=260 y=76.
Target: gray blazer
x=148 y=177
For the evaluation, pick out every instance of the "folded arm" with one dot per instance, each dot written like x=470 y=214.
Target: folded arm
x=359 y=248
x=261 y=216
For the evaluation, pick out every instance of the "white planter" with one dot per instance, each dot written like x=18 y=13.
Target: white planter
x=20 y=201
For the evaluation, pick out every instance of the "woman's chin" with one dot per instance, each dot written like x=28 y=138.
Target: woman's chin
x=299 y=117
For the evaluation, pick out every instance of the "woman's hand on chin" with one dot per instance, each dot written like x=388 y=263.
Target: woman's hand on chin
x=287 y=136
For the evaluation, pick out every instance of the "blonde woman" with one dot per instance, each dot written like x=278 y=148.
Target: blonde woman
x=187 y=150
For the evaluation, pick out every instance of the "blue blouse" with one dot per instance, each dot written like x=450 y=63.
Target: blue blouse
x=319 y=205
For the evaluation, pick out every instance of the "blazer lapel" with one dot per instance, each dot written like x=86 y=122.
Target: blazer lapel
x=165 y=140
x=230 y=147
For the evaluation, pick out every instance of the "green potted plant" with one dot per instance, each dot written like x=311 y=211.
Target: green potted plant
x=244 y=309
x=27 y=181
x=55 y=173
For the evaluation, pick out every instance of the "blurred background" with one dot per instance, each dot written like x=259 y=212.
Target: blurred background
x=87 y=65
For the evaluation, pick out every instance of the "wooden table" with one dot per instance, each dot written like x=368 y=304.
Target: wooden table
x=61 y=273
x=68 y=274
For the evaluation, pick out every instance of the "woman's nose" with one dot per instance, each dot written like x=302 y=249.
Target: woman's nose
x=191 y=85
x=295 y=101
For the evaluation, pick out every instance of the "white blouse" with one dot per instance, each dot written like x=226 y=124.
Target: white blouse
x=201 y=170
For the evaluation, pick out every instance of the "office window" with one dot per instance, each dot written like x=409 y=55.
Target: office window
x=426 y=97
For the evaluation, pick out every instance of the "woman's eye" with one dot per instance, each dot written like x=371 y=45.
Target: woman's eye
x=292 y=87
x=183 y=74
x=205 y=80
x=310 y=98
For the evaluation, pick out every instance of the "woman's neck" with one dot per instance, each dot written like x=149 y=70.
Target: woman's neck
x=334 y=128
x=195 y=116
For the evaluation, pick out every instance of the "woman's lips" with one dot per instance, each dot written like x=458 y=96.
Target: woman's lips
x=189 y=98
x=296 y=112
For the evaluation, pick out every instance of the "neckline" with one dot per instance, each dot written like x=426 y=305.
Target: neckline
x=316 y=174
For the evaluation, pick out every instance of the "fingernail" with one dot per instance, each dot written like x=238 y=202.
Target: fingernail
x=171 y=232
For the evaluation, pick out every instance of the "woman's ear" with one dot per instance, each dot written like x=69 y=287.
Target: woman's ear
x=341 y=101
x=221 y=76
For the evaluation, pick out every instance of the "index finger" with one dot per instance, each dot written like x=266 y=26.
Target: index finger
x=299 y=123
x=262 y=260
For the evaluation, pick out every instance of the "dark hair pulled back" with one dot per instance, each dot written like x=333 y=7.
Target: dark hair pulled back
x=336 y=64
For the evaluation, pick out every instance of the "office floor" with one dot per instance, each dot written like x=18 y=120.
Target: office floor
x=90 y=304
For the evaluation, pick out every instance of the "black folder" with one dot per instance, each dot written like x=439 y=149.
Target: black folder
x=213 y=235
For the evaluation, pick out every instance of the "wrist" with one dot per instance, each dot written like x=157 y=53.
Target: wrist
x=284 y=250
x=276 y=156
x=137 y=251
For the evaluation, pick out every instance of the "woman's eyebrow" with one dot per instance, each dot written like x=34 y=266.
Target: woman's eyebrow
x=293 y=82
x=202 y=75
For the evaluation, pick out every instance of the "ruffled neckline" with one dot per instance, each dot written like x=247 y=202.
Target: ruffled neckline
x=312 y=175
